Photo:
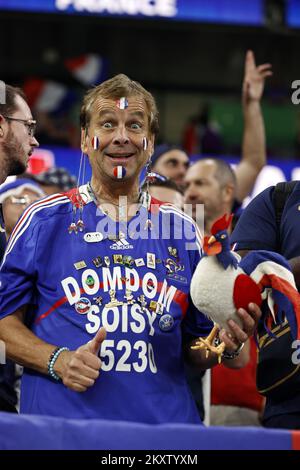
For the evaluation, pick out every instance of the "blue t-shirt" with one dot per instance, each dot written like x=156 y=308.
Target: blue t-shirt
x=137 y=288
x=256 y=230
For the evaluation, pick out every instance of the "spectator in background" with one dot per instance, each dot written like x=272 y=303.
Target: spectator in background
x=201 y=136
x=212 y=182
x=55 y=180
x=17 y=143
x=170 y=161
x=15 y=197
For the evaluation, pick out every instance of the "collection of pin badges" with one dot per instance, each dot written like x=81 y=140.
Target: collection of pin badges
x=166 y=321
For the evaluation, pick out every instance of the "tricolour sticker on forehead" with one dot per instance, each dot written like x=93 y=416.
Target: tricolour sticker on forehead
x=119 y=172
x=122 y=103
x=95 y=142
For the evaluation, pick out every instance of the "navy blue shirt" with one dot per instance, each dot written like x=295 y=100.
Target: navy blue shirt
x=256 y=230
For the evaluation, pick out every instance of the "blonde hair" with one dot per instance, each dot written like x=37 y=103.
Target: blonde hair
x=116 y=88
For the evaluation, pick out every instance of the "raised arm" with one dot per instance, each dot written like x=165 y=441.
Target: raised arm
x=254 y=145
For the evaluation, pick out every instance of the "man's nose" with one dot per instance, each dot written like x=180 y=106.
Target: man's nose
x=34 y=142
x=190 y=195
x=121 y=136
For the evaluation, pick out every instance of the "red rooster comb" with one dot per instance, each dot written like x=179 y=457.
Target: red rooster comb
x=221 y=224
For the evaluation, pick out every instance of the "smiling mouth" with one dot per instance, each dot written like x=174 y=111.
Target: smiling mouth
x=119 y=155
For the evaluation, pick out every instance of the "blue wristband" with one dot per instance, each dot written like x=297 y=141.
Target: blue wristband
x=52 y=360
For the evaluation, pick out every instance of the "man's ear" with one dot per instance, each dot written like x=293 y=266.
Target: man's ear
x=84 y=138
x=228 y=193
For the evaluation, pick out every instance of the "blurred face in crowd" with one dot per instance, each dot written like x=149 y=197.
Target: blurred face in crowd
x=17 y=141
x=167 y=195
x=120 y=133
x=14 y=206
x=202 y=187
x=172 y=164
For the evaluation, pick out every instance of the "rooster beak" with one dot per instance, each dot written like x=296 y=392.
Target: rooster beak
x=211 y=240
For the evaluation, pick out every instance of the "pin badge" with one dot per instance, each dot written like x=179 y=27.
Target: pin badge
x=83 y=306
x=128 y=261
x=129 y=297
x=166 y=322
x=118 y=259
x=98 y=262
x=113 y=301
x=107 y=260
x=173 y=251
x=142 y=301
x=139 y=262
x=80 y=265
x=98 y=300
x=90 y=281
x=153 y=305
x=151 y=260
x=93 y=237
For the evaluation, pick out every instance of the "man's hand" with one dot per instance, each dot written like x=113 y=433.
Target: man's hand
x=254 y=79
x=79 y=369
x=236 y=335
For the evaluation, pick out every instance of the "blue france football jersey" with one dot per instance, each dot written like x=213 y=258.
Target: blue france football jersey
x=133 y=279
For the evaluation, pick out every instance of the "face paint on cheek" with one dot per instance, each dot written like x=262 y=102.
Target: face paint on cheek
x=145 y=143
x=95 y=142
x=122 y=103
x=119 y=172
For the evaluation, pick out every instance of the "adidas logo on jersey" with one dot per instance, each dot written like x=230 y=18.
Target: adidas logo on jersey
x=121 y=244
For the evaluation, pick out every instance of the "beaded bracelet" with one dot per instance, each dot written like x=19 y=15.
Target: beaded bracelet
x=52 y=360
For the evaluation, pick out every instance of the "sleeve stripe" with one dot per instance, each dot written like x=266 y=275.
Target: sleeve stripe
x=26 y=220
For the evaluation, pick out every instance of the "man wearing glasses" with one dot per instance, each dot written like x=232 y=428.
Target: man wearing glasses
x=17 y=143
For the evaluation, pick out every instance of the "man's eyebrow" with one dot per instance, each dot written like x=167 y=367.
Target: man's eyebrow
x=137 y=114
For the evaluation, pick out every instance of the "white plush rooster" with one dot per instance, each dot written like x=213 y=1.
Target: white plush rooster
x=223 y=283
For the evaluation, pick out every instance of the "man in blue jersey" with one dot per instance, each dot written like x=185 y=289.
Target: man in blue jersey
x=257 y=230
x=17 y=143
x=100 y=303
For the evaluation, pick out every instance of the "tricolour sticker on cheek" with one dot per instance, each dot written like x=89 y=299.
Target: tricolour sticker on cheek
x=122 y=103
x=95 y=142
x=145 y=143
x=119 y=172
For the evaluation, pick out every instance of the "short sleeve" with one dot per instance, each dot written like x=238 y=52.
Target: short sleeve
x=256 y=228
x=18 y=274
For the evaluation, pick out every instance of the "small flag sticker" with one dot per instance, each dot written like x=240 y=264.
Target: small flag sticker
x=122 y=103
x=145 y=143
x=95 y=142
x=119 y=172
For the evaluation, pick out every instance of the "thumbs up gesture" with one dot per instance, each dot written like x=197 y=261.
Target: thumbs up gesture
x=79 y=369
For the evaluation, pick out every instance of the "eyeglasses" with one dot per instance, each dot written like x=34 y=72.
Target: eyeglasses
x=29 y=123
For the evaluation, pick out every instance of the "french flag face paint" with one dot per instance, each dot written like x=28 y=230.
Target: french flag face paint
x=122 y=103
x=145 y=143
x=119 y=172
x=95 y=142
